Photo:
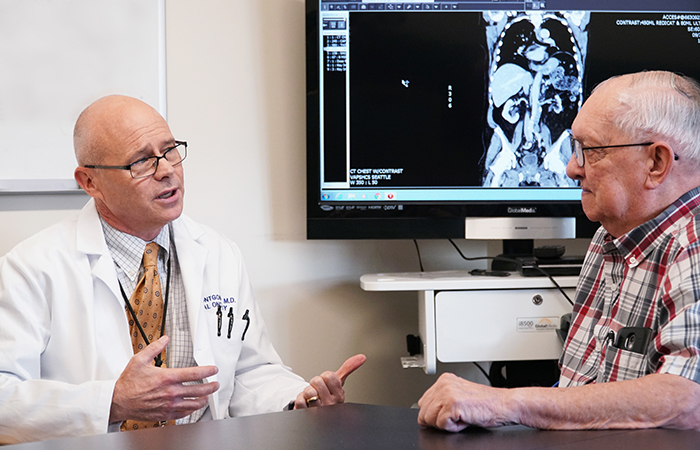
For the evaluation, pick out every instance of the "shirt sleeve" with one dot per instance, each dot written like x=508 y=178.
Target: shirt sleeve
x=677 y=343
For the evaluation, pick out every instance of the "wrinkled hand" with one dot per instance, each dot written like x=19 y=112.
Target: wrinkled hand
x=327 y=388
x=146 y=392
x=453 y=403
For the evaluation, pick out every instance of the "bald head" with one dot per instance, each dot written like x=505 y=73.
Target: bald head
x=103 y=127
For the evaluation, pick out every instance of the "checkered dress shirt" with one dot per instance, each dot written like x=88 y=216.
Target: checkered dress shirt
x=127 y=253
x=649 y=277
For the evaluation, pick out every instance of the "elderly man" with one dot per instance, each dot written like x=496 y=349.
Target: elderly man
x=93 y=340
x=631 y=359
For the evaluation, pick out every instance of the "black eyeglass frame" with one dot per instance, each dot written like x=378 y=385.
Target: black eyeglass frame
x=154 y=165
x=578 y=149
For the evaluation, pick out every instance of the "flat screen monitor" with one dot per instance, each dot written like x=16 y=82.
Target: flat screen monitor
x=451 y=119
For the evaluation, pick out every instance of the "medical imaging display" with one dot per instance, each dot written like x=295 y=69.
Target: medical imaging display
x=413 y=110
x=417 y=104
x=423 y=115
x=535 y=89
x=483 y=99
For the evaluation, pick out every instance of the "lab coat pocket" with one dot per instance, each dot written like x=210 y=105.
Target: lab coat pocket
x=220 y=347
x=223 y=334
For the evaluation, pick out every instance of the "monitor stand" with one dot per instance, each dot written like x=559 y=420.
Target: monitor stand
x=512 y=249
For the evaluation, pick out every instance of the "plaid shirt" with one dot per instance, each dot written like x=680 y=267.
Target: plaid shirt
x=649 y=277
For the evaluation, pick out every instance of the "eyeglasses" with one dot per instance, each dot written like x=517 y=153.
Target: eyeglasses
x=578 y=149
x=145 y=167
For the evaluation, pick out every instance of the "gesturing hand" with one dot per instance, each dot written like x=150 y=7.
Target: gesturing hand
x=327 y=388
x=146 y=392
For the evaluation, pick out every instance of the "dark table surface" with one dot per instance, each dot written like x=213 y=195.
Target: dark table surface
x=366 y=427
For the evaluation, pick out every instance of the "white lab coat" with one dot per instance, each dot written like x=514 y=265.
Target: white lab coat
x=64 y=335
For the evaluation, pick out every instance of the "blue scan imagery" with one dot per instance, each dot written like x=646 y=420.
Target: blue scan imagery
x=535 y=84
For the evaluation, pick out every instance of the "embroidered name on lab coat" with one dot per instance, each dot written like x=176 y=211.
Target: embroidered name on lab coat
x=215 y=300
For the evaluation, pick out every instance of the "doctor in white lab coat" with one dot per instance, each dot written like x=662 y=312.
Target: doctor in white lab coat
x=67 y=367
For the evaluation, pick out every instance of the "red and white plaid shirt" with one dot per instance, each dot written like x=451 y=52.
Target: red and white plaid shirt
x=649 y=277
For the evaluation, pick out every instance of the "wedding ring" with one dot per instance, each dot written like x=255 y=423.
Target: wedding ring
x=311 y=400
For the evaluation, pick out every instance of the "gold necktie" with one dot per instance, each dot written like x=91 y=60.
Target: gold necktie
x=147 y=305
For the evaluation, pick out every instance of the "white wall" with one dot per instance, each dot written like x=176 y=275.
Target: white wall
x=236 y=93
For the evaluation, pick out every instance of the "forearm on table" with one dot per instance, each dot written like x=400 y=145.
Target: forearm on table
x=657 y=400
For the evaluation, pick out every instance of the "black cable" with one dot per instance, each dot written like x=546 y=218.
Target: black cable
x=420 y=260
x=511 y=260
x=482 y=371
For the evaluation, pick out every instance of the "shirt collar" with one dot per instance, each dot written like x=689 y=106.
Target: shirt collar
x=127 y=250
x=636 y=244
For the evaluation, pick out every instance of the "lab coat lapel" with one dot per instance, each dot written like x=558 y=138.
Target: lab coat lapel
x=91 y=242
x=106 y=296
x=192 y=257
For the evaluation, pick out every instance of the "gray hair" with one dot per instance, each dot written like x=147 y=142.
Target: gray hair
x=659 y=104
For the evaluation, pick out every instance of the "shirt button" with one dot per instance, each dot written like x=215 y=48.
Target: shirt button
x=633 y=260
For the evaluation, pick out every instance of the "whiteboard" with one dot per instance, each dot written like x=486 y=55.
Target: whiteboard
x=57 y=57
